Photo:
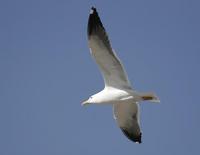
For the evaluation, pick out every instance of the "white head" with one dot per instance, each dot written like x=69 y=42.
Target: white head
x=88 y=101
x=96 y=98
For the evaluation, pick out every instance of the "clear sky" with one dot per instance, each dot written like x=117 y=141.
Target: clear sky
x=46 y=71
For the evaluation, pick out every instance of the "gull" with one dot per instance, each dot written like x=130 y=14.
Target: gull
x=118 y=90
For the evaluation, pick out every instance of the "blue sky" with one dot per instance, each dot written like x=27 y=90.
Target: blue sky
x=46 y=71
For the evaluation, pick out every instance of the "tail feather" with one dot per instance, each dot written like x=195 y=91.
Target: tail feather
x=150 y=97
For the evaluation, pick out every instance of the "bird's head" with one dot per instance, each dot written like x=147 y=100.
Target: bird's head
x=88 y=101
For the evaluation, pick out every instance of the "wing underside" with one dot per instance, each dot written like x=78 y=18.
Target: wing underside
x=111 y=68
x=127 y=117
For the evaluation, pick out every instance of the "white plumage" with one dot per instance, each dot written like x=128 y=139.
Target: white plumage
x=118 y=90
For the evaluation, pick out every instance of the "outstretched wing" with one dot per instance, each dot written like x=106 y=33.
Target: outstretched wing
x=111 y=68
x=127 y=117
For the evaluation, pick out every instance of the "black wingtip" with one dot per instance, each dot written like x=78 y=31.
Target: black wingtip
x=94 y=21
x=132 y=137
x=93 y=9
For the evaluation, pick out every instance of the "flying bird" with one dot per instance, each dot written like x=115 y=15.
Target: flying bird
x=118 y=90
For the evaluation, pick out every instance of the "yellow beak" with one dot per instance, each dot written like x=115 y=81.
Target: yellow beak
x=84 y=103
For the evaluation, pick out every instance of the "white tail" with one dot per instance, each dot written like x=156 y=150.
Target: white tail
x=150 y=96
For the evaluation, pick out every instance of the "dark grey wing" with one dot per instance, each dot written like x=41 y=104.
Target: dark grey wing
x=111 y=68
x=127 y=117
